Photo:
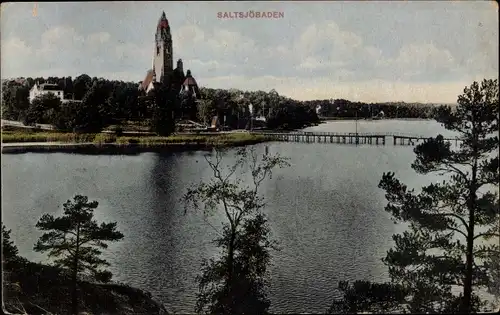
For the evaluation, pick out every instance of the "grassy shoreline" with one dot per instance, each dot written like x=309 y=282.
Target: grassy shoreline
x=102 y=143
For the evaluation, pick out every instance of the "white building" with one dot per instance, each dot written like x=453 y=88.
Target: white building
x=41 y=89
x=318 y=110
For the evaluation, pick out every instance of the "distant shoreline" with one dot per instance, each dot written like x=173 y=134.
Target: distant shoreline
x=108 y=144
x=326 y=119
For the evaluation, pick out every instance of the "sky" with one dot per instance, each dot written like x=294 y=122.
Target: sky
x=359 y=50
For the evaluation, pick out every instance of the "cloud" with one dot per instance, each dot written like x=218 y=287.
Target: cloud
x=14 y=49
x=64 y=52
x=419 y=60
x=233 y=43
x=188 y=35
x=16 y=55
x=59 y=40
x=312 y=63
x=333 y=48
x=329 y=40
x=337 y=49
x=203 y=68
x=324 y=48
x=225 y=52
x=484 y=63
x=98 y=38
x=132 y=52
x=218 y=43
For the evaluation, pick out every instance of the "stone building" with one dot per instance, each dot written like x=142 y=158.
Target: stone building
x=163 y=71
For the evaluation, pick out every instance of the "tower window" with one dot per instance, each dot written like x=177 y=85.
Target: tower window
x=157 y=49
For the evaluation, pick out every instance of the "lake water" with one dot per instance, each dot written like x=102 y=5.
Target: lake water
x=326 y=212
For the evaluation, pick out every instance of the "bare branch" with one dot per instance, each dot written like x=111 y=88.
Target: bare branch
x=213 y=227
x=49 y=313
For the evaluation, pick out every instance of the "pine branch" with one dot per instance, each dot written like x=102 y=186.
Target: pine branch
x=487 y=235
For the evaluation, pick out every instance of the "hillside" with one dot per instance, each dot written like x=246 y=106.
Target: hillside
x=34 y=288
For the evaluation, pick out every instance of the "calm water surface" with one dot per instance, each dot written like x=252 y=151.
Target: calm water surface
x=325 y=210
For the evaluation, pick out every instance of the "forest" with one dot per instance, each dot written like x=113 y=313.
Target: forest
x=95 y=103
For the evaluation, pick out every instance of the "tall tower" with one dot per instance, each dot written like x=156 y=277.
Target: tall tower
x=180 y=66
x=163 y=63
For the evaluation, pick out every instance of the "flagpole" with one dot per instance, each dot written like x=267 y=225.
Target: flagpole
x=251 y=118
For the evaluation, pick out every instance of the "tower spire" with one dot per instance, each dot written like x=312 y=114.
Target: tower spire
x=163 y=55
x=163 y=22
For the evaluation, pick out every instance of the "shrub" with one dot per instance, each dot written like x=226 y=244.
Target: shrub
x=118 y=130
x=104 y=138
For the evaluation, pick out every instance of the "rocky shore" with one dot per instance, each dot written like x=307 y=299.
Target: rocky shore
x=34 y=288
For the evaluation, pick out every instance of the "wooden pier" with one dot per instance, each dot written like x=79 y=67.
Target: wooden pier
x=414 y=140
x=346 y=138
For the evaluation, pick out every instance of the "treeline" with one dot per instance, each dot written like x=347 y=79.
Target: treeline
x=235 y=108
x=99 y=102
x=346 y=109
x=94 y=103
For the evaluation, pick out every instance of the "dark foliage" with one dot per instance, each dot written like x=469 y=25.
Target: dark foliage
x=9 y=249
x=39 y=289
x=248 y=285
x=233 y=109
x=235 y=283
x=75 y=239
x=15 y=100
x=364 y=296
x=448 y=221
x=43 y=110
x=165 y=102
x=342 y=108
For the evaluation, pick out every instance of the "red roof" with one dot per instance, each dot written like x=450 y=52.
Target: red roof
x=189 y=81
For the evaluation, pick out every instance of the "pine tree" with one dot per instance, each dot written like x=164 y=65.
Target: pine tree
x=454 y=227
x=75 y=238
x=9 y=249
x=94 y=112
